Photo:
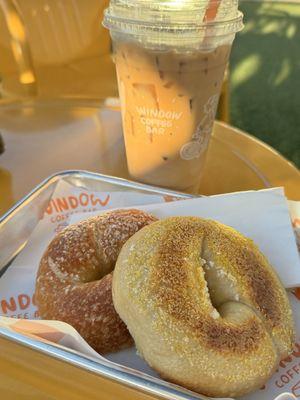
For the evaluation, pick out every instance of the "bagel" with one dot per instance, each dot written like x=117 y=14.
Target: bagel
x=203 y=305
x=74 y=279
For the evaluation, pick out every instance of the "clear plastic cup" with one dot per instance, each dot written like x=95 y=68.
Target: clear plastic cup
x=170 y=58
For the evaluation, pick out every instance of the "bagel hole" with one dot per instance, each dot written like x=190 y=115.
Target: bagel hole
x=224 y=295
x=220 y=284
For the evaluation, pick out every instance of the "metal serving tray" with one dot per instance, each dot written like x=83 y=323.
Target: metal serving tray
x=60 y=373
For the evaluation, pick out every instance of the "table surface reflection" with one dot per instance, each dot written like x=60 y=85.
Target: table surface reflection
x=43 y=139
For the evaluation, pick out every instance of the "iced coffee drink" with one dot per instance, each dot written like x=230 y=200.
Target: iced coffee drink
x=169 y=91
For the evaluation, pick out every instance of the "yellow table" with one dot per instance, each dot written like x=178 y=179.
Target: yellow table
x=42 y=140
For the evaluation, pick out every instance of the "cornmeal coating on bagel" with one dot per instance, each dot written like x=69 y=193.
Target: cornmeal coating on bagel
x=203 y=305
x=75 y=277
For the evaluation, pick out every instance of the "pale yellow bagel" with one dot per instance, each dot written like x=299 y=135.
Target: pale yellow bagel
x=205 y=308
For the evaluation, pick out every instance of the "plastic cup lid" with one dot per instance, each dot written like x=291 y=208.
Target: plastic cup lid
x=188 y=17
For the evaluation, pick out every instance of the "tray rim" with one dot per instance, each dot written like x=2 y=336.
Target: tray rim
x=91 y=175
x=107 y=370
x=122 y=375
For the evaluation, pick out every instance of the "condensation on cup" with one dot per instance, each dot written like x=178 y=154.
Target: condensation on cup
x=170 y=58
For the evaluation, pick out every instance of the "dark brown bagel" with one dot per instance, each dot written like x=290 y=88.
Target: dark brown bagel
x=75 y=277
